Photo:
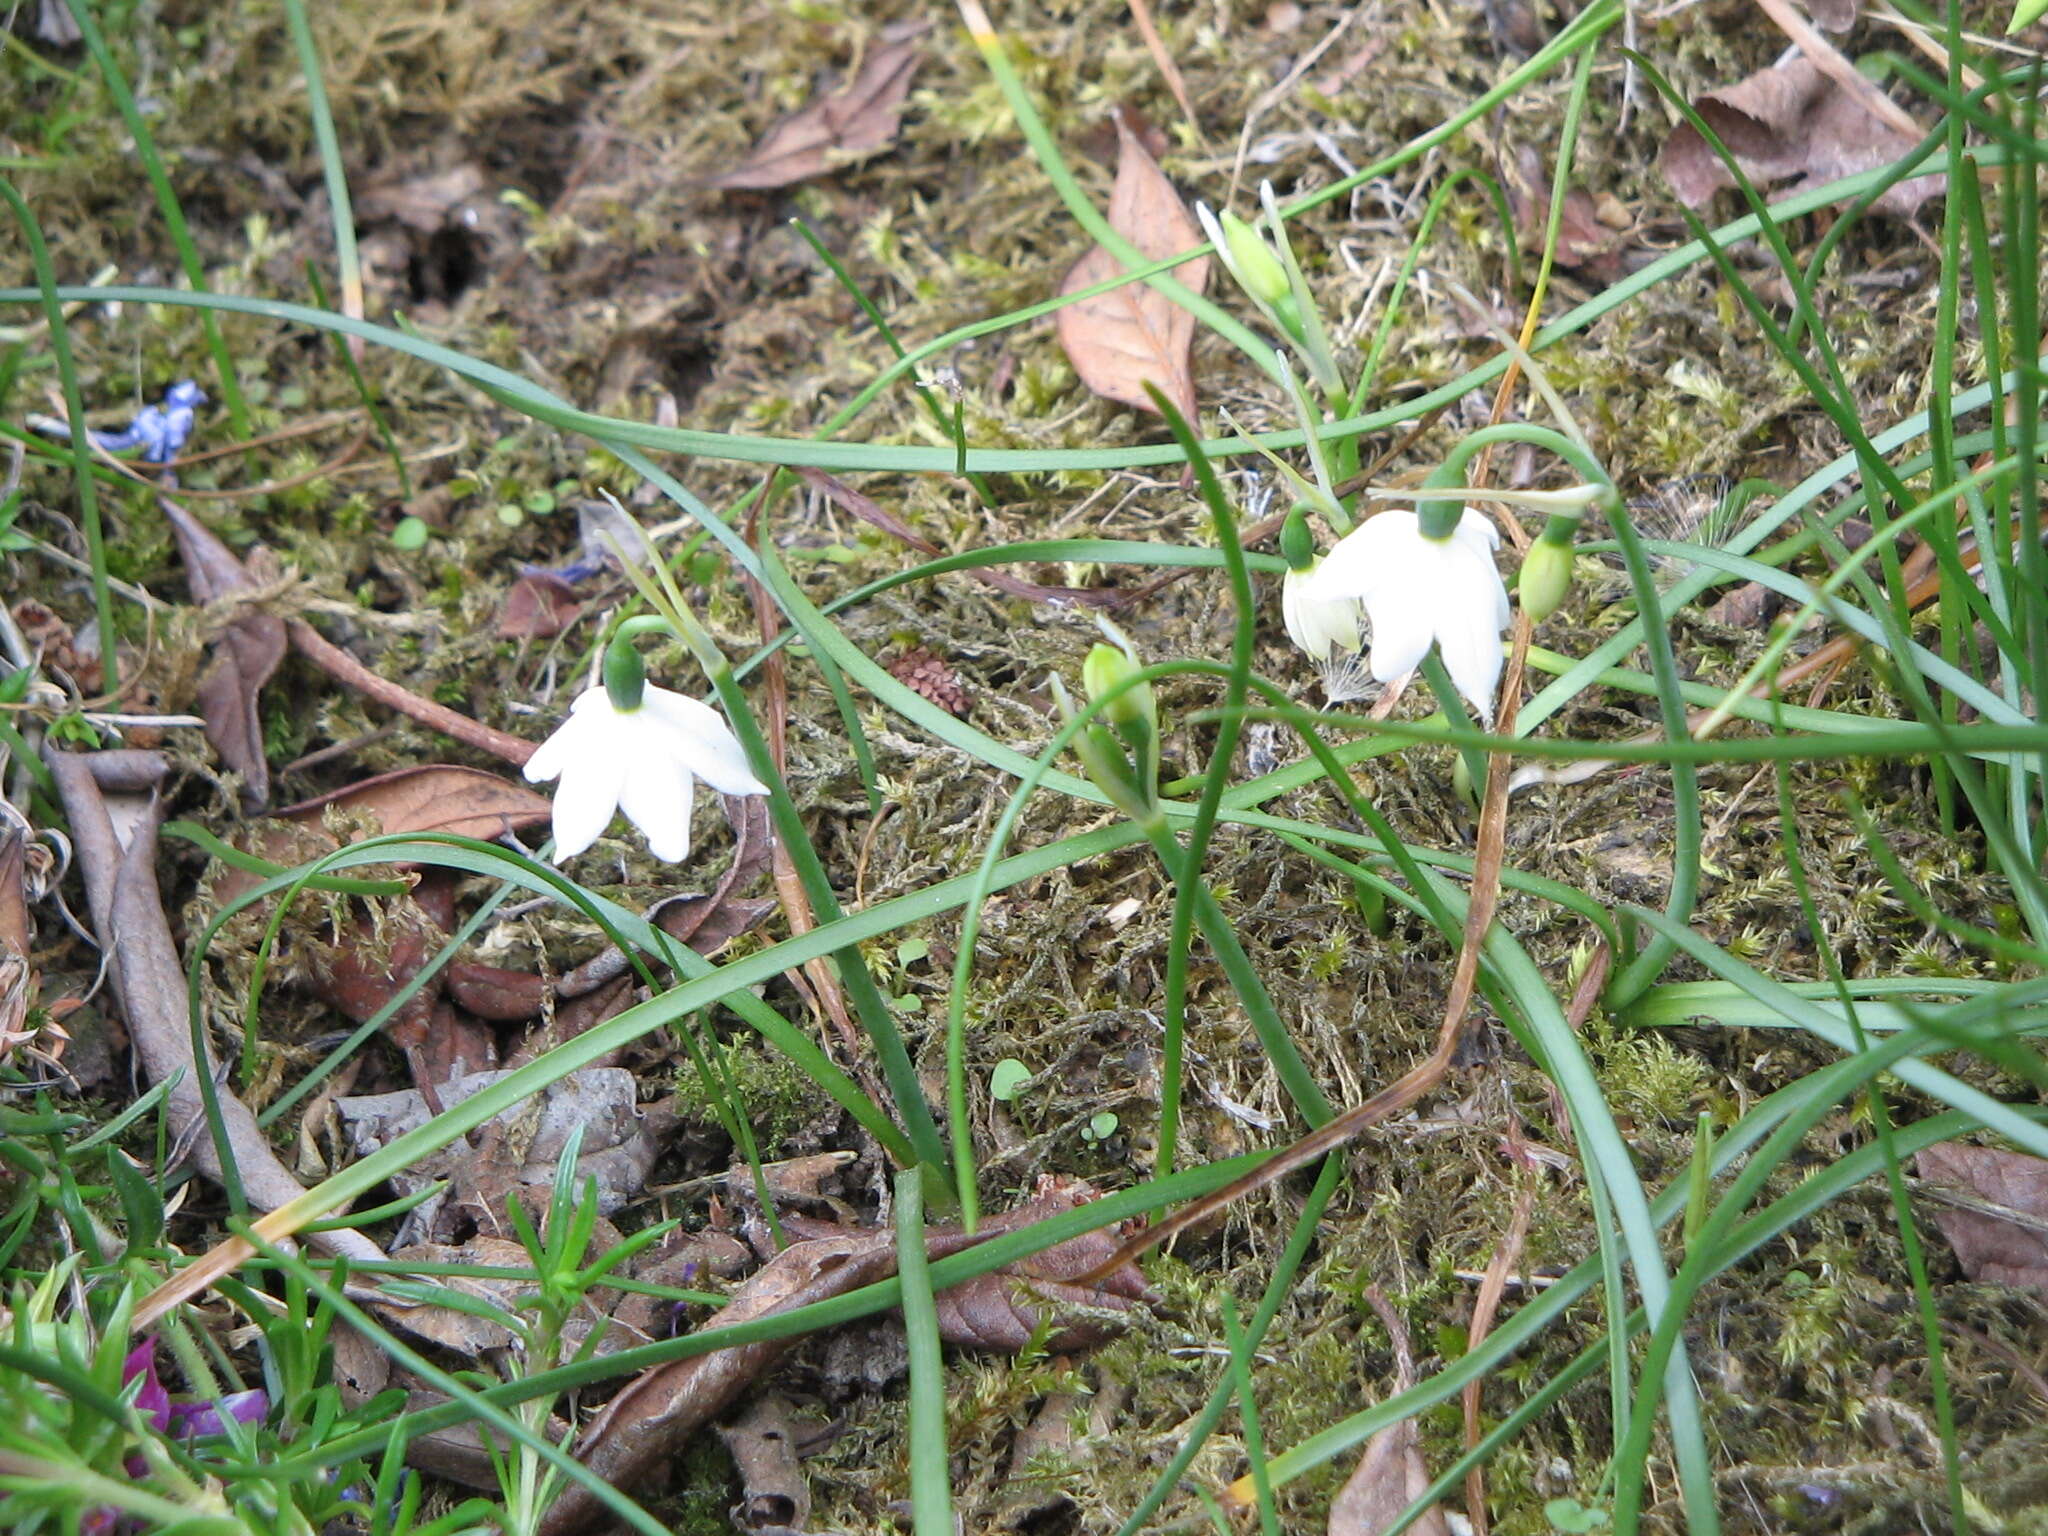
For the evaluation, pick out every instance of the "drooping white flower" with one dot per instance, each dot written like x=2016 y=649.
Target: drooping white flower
x=1418 y=591
x=1321 y=626
x=645 y=762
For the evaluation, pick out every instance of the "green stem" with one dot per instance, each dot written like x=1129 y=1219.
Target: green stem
x=931 y=1494
x=81 y=436
x=869 y=1004
x=1190 y=886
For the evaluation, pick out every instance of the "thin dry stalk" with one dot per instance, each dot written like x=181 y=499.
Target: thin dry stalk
x=1141 y=13
x=1484 y=1308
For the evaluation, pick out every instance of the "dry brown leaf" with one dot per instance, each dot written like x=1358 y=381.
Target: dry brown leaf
x=793 y=1178
x=1789 y=122
x=18 y=983
x=434 y=797
x=1121 y=340
x=539 y=606
x=245 y=653
x=493 y=992
x=1003 y=1310
x=847 y=125
x=1389 y=1477
x=2006 y=1245
x=367 y=963
x=1583 y=241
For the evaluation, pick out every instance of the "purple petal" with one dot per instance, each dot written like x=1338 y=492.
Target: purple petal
x=152 y=1401
x=189 y=1419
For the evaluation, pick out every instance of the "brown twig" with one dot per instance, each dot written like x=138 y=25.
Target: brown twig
x=344 y=668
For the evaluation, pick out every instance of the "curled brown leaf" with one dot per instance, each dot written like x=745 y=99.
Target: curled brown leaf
x=246 y=651
x=838 y=128
x=1790 y=121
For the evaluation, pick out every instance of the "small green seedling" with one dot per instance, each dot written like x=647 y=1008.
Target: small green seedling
x=1571 y=1516
x=1008 y=1079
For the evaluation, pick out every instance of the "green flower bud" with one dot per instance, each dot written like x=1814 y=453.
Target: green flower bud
x=1253 y=262
x=1105 y=667
x=1546 y=578
x=1102 y=759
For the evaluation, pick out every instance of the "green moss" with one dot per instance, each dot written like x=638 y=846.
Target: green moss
x=776 y=1098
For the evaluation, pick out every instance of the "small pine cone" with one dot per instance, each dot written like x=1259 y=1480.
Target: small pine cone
x=930 y=677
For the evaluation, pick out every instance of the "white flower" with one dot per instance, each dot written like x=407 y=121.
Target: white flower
x=644 y=762
x=1319 y=626
x=1419 y=591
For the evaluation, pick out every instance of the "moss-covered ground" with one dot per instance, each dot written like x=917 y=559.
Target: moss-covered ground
x=530 y=181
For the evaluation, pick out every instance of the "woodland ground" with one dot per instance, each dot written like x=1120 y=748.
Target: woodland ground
x=531 y=186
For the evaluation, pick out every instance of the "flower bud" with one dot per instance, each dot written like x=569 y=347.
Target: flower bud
x=1463 y=784
x=1104 y=668
x=1131 y=789
x=1546 y=578
x=1252 y=261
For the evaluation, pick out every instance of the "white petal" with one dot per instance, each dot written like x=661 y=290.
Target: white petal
x=586 y=800
x=1470 y=642
x=562 y=748
x=548 y=758
x=1366 y=558
x=1317 y=627
x=657 y=797
x=1403 y=625
x=1476 y=531
x=1475 y=581
x=703 y=742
